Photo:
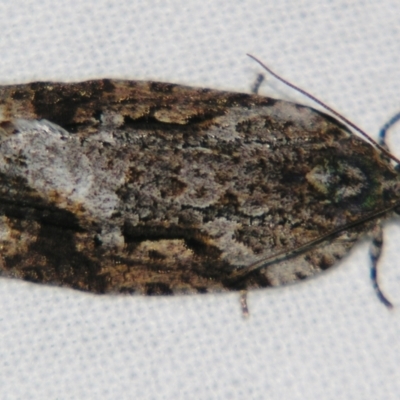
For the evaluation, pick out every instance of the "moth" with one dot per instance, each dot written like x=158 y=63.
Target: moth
x=112 y=186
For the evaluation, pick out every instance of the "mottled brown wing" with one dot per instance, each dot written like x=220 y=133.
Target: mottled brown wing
x=116 y=186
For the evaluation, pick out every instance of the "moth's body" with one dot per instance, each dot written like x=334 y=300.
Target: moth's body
x=124 y=186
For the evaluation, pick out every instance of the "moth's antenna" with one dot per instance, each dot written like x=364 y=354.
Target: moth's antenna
x=322 y=104
x=285 y=255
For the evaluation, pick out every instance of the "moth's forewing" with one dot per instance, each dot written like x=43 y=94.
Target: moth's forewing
x=116 y=186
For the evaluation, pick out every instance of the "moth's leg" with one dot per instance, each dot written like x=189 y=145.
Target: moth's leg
x=243 y=303
x=383 y=132
x=256 y=85
x=375 y=253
